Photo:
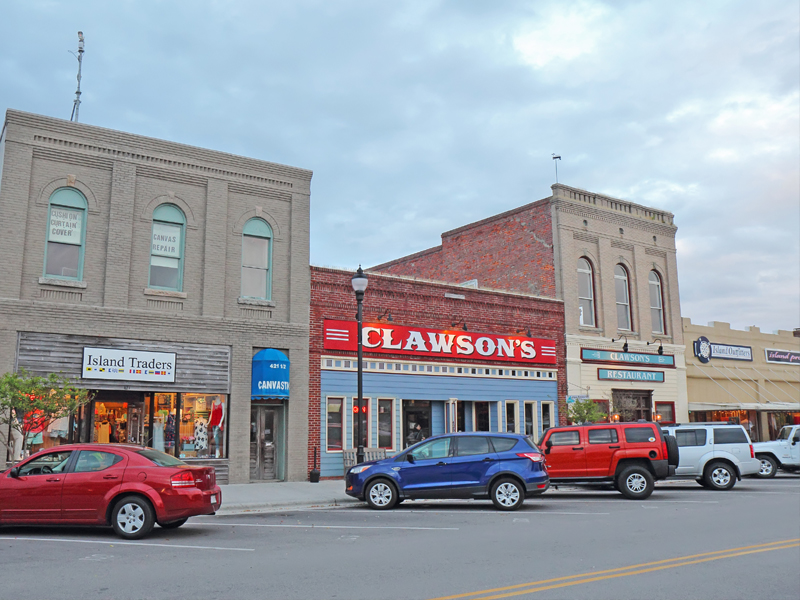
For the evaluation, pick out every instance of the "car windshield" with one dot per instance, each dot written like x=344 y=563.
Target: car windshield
x=784 y=434
x=161 y=459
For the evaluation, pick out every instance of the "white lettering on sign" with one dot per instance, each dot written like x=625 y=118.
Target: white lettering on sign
x=128 y=365
x=273 y=385
x=66 y=226
x=166 y=240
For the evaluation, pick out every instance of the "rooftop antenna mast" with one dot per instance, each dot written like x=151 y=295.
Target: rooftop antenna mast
x=555 y=158
x=76 y=105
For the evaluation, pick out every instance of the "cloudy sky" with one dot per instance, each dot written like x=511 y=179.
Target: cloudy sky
x=418 y=117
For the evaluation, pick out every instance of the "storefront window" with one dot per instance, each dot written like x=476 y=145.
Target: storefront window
x=385 y=424
x=666 y=412
x=364 y=413
x=164 y=422
x=746 y=418
x=334 y=424
x=482 y=416
x=202 y=428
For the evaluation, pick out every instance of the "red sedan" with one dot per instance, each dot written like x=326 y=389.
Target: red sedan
x=130 y=488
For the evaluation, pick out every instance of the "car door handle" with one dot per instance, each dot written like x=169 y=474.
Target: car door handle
x=110 y=476
x=578 y=448
x=440 y=463
x=53 y=479
x=613 y=447
x=488 y=459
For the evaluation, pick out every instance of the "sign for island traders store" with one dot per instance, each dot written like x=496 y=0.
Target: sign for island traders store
x=128 y=365
x=385 y=338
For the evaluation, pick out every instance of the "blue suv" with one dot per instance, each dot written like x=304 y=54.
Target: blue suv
x=504 y=467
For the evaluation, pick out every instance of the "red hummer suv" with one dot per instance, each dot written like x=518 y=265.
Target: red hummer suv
x=631 y=456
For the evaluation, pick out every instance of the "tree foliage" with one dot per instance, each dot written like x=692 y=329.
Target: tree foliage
x=30 y=403
x=585 y=411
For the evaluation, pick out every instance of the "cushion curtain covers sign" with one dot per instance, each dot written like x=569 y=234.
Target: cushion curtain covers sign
x=270 y=375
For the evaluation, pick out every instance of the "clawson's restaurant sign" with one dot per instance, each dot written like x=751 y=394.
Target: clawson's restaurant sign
x=127 y=365
x=382 y=338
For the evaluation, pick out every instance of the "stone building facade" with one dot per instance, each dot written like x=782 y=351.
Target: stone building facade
x=612 y=262
x=118 y=242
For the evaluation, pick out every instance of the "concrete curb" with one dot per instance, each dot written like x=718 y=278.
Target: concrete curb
x=249 y=508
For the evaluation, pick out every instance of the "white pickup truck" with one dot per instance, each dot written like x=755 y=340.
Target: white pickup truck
x=783 y=453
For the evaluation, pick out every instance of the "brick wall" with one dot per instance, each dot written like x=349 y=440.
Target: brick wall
x=423 y=303
x=511 y=251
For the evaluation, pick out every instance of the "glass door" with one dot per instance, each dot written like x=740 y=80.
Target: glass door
x=266 y=443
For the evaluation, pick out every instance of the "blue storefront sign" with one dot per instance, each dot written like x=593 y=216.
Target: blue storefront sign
x=619 y=375
x=638 y=358
x=270 y=375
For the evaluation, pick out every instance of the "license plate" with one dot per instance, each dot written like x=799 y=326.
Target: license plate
x=213 y=499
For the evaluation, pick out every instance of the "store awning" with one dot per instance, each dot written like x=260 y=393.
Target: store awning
x=270 y=378
x=762 y=406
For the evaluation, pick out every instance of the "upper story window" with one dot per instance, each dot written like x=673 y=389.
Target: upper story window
x=66 y=235
x=166 y=248
x=257 y=259
x=656 y=302
x=586 y=292
x=622 y=290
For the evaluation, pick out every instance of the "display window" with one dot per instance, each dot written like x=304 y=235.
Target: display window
x=665 y=412
x=202 y=426
x=334 y=424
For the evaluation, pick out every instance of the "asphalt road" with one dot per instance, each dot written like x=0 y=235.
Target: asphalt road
x=684 y=542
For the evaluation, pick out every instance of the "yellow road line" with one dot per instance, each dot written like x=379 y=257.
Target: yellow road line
x=535 y=586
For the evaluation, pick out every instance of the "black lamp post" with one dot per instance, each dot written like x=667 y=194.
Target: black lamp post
x=359 y=282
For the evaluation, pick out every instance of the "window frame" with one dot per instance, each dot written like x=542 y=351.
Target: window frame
x=577 y=432
x=67 y=205
x=182 y=256
x=660 y=283
x=613 y=430
x=250 y=225
x=391 y=421
x=591 y=299
x=655 y=411
x=367 y=402
x=627 y=303
x=514 y=406
x=328 y=400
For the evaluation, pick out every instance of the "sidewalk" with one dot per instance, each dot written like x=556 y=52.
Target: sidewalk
x=267 y=497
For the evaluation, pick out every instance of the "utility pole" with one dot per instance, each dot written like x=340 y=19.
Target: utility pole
x=76 y=105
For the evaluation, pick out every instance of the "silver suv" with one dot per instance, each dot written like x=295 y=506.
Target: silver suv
x=715 y=454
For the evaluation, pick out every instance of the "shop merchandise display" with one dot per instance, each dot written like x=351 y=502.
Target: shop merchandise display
x=217 y=423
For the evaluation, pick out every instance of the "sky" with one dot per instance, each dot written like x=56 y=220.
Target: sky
x=419 y=117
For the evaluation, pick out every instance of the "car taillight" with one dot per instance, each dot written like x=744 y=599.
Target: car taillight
x=665 y=449
x=752 y=454
x=184 y=479
x=534 y=456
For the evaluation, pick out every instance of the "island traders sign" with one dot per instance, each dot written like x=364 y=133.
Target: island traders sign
x=128 y=365
x=619 y=375
x=383 y=338
x=633 y=358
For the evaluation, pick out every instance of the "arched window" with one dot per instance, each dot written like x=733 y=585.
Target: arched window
x=256 y=259
x=622 y=290
x=66 y=235
x=166 y=248
x=586 y=292
x=656 y=302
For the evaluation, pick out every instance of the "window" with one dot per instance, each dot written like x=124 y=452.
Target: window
x=161 y=459
x=472 y=444
x=54 y=462
x=585 y=292
x=666 y=410
x=690 y=437
x=333 y=436
x=656 y=302
x=91 y=461
x=603 y=436
x=639 y=435
x=256 y=259
x=66 y=235
x=364 y=413
x=730 y=435
x=166 y=248
x=622 y=289
x=385 y=424
x=547 y=415
x=502 y=444
x=511 y=416
x=565 y=438
x=438 y=448
x=481 y=412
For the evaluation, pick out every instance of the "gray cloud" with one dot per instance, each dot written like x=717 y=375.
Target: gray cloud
x=418 y=117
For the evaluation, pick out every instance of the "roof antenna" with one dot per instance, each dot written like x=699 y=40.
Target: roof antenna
x=76 y=106
x=555 y=158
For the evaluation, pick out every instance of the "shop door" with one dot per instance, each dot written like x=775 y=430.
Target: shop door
x=266 y=443
x=416 y=412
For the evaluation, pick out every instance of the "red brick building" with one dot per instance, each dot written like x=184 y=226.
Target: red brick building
x=445 y=357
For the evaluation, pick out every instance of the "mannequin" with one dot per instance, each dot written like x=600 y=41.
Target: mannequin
x=158 y=433
x=217 y=423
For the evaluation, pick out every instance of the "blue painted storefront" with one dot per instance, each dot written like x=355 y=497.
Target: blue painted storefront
x=434 y=388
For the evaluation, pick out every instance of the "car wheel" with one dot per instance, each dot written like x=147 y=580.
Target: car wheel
x=701 y=482
x=720 y=476
x=635 y=483
x=507 y=494
x=132 y=518
x=173 y=524
x=381 y=495
x=769 y=467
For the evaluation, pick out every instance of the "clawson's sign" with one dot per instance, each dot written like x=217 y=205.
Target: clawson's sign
x=385 y=338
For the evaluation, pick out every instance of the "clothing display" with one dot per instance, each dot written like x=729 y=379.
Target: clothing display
x=201 y=434
x=103 y=432
x=217 y=414
x=217 y=433
x=158 y=434
x=169 y=432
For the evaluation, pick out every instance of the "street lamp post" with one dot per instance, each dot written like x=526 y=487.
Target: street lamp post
x=359 y=282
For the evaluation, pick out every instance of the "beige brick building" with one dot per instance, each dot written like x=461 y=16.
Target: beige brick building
x=132 y=246
x=613 y=264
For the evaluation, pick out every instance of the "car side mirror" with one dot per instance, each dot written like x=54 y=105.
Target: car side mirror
x=795 y=439
x=548 y=444
x=14 y=472
x=410 y=458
